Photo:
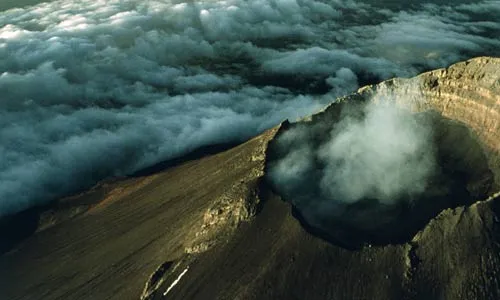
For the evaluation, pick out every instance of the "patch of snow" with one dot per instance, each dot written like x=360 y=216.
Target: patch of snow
x=176 y=281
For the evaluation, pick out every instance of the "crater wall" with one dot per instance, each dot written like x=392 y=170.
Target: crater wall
x=468 y=92
x=382 y=162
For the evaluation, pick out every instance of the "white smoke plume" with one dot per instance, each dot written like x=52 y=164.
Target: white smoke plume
x=384 y=156
x=91 y=89
x=377 y=151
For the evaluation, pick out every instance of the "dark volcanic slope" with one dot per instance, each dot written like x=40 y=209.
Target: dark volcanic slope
x=212 y=227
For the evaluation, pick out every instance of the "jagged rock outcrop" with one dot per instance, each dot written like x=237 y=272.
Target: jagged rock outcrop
x=212 y=229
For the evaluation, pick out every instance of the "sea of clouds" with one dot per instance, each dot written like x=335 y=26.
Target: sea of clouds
x=92 y=88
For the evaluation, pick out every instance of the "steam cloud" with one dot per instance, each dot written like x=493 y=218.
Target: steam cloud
x=379 y=152
x=384 y=156
x=91 y=89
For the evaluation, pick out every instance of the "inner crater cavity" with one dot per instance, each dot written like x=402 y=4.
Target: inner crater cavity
x=374 y=173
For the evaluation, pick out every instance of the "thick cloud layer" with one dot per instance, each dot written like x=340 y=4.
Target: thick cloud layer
x=90 y=89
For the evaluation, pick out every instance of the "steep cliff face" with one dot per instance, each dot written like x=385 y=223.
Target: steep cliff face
x=212 y=228
x=468 y=92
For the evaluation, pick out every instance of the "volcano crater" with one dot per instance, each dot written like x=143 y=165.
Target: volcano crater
x=460 y=176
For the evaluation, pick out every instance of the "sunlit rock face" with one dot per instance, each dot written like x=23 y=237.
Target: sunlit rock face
x=376 y=166
x=468 y=92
